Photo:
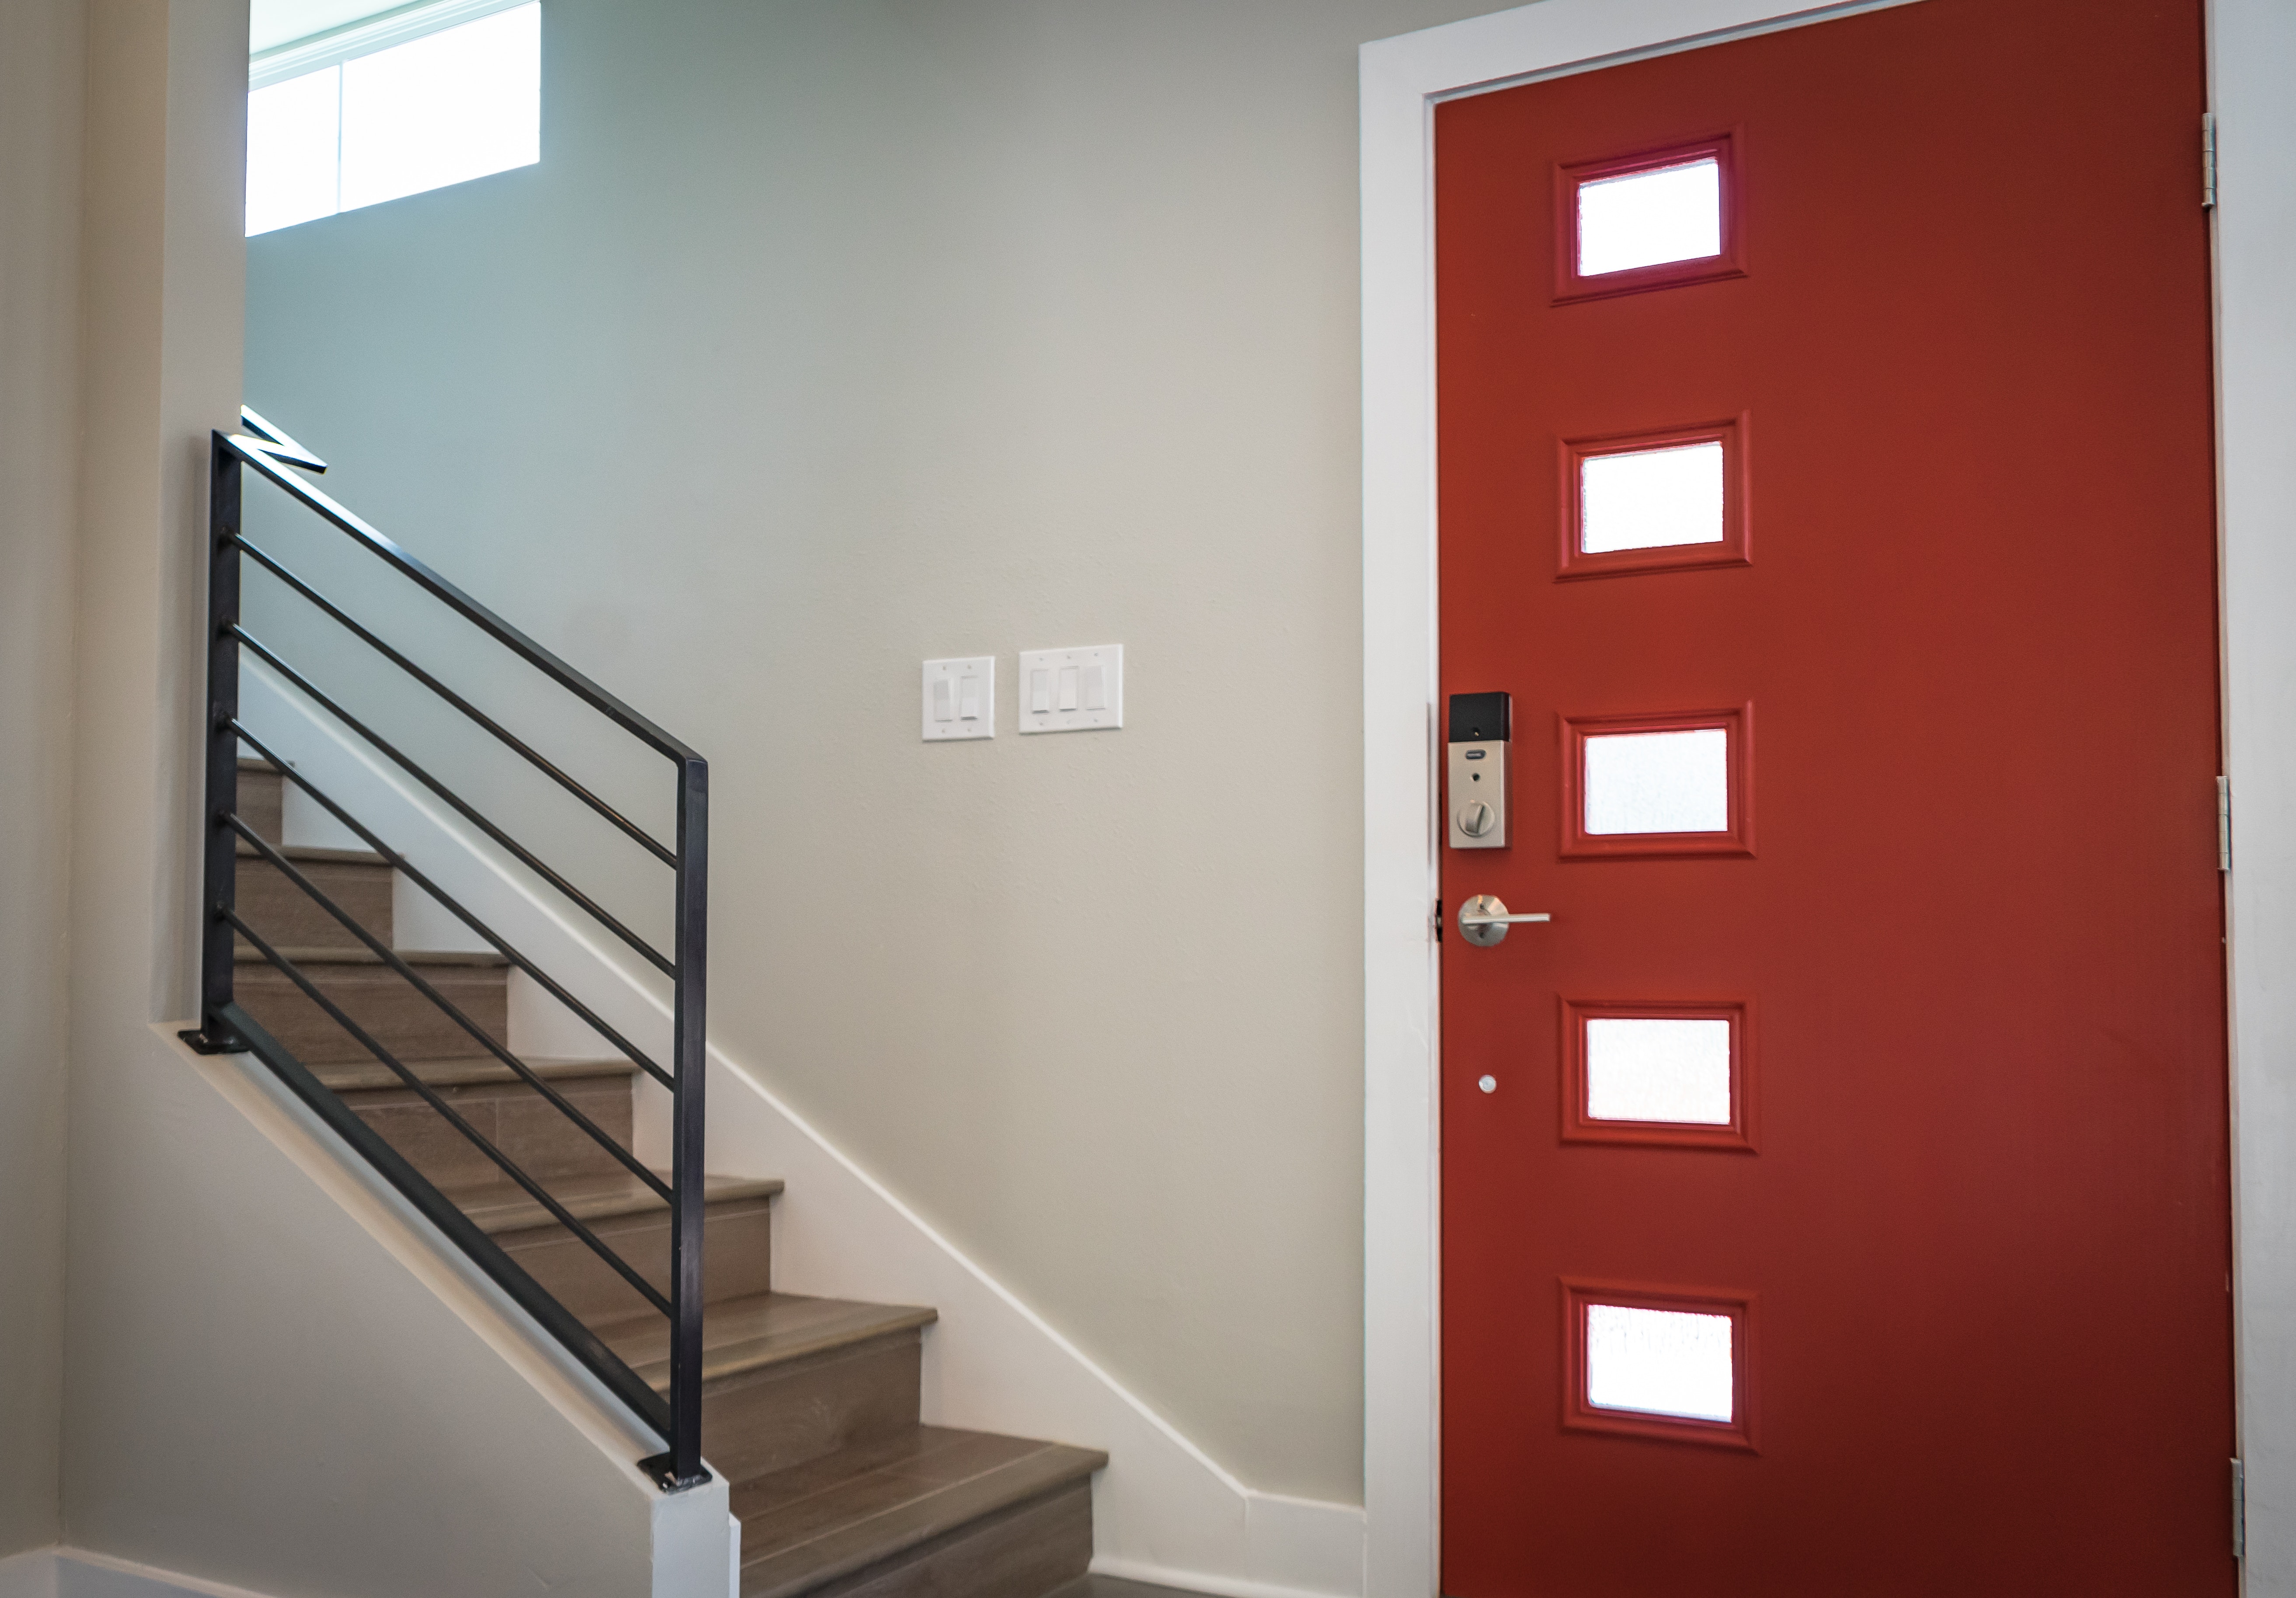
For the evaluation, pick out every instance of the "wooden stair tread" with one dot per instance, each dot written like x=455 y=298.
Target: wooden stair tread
x=814 y=1522
x=757 y=1330
x=328 y=955
x=473 y=1070
x=310 y=851
x=498 y=1207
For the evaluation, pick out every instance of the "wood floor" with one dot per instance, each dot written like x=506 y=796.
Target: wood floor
x=1109 y=1587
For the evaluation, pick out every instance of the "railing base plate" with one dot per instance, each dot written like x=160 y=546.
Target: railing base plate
x=203 y=1042
x=657 y=1466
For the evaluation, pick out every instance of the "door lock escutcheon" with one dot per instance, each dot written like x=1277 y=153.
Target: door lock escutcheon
x=1478 y=771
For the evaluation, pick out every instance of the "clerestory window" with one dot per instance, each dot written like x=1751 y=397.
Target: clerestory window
x=419 y=98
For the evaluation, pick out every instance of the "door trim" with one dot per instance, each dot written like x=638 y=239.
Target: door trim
x=1401 y=81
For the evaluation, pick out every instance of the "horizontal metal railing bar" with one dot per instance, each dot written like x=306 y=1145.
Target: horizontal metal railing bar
x=541 y=762
x=588 y=1350
x=259 y=455
x=454 y=1012
x=462 y=807
x=510 y=1168
x=455 y=908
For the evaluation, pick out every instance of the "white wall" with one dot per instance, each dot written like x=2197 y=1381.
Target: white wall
x=831 y=336
x=40 y=60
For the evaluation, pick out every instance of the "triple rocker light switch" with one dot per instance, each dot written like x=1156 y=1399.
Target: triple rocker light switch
x=1061 y=690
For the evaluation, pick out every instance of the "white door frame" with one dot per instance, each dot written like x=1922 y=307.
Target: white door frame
x=1403 y=79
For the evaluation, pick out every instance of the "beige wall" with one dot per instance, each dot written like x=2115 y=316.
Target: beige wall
x=40 y=78
x=828 y=336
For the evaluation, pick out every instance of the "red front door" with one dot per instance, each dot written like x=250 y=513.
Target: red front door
x=1835 y=1191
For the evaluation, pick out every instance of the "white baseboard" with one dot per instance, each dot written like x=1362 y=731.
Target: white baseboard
x=31 y=1574
x=1164 y=1511
x=77 y=1573
x=1194 y=1581
x=80 y=1574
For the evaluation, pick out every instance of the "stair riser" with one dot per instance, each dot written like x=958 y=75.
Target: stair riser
x=402 y=1019
x=288 y=917
x=261 y=794
x=1027 y=1552
x=793 y=1414
x=512 y=1117
x=737 y=1259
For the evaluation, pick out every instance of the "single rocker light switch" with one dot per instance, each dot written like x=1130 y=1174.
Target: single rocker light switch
x=1082 y=688
x=960 y=699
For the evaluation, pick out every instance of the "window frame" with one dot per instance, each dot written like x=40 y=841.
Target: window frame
x=1734 y=548
x=1581 y=1413
x=1736 y=721
x=1570 y=176
x=1738 y=1135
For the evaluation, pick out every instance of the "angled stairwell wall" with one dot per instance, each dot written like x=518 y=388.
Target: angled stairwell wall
x=303 y=1394
x=1164 y=1509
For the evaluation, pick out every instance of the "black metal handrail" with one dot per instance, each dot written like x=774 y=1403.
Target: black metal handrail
x=226 y=1025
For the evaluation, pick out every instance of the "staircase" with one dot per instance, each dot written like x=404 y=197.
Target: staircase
x=808 y=1407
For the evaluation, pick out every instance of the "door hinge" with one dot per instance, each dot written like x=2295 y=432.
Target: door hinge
x=2239 y=1511
x=2208 y=160
x=1438 y=920
x=2224 y=823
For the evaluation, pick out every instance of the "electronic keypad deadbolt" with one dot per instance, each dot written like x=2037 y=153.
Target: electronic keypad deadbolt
x=1478 y=771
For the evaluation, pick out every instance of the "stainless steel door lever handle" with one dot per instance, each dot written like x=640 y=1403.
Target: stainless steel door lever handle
x=1484 y=921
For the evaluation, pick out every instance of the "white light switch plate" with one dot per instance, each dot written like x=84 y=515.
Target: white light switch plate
x=961 y=699
x=1072 y=690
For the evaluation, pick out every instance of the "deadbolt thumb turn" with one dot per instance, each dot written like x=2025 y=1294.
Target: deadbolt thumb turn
x=1484 y=921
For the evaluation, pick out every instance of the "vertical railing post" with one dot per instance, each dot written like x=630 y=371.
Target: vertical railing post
x=691 y=1066
x=220 y=704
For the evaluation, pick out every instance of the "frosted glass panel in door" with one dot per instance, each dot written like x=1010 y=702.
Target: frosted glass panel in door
x=1659 y=782
x=1651 y=498
x=1660 y=1362
x=1657 y=1069
x=1646 y=218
